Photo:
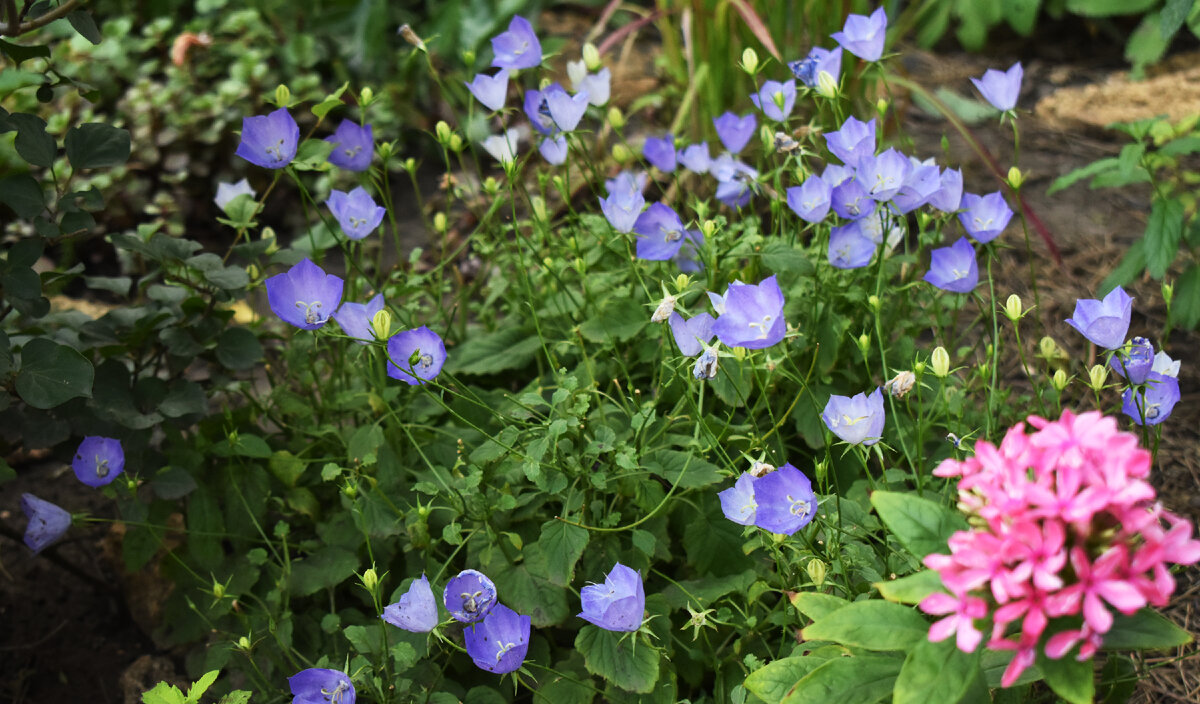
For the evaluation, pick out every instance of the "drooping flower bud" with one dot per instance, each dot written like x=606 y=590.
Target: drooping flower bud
x=940 y=361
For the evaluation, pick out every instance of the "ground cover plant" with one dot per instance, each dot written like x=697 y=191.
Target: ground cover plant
x=649 y=417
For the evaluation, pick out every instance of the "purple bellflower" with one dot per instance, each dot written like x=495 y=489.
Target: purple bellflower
x=626 y=181
x=753 y=316
x=660 y=152
x=660 y=233
x=490 y=91
x=850 y=247
x=688 y=257
x=738 y=502
x=353 y=146
x=735 y=180
x=735 y=132
x=618 y=603
x=469 y=596
x=1163 y=364
x=954 y=268
x=318 y=685
x=695 y=158
x=864 y=36
x=785 y=499
x=500 y=642
x=355 y=318
x=853 y=142
x=415 y=356
x=851 y=200
x=775 y=99
x=597 y=86
x=269 y=141
x=565 y=109
x=691 y=335
x=1153 y=403
x=47 y=522
x=1001 y=88
x=919 y=186
x=226 y=192
x=537 y=109
x=623 y=205
x=884 y=175
x=811 y=200
x=856 y=420
x=518 y=47
x=948 y=197
x=502 y=147
x=984 y=217
x=554 y=149
x=98 y=461
x=417 y=609
x=810 y=67
x=356 y=212
x=304 y=296
x=1105 y=322
x=1135 y=362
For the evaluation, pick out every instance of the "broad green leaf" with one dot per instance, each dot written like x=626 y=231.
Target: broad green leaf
x=1147 y=44
x=23 y=194
x=52 y=374
x=19 y=53
x=563 y=545
x=95 y=145
x=510 y=347
x=605 y=654
x=1174 y=14
x=183 y=398
x=244 y=445
x=83 y=23
x=772 y=682
x=1069 y=678
x=286 y=467
x=33 y=143
x=1118 y=680
x=205 y=525
x=995 y=662
x=919 y=524
x=238 y=349
x=935 y=672
x=782 y=257
x=1131 y=266
x=330 y=102
x=619 y=319
x=164 y=693
x=1145 y=630
x=1164 y=230
x=1107 y=8
x=312 y=155
x=872 y=625
x=1069 y=179
x=1185 y=305
x=817 y=606
x=911 y=589
x=206 y=680
x=1021 y=15
x=685 y=467
x=325 y=568
x=526 y=590
x=858 y=680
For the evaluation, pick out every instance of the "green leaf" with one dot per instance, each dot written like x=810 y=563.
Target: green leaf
x=1131 y=266
x=1146 y=629
x=324 y=569
x=184 y=398
x=33 y=143
x=619 y=319
x=52 y=374
x=935 y=672
x=95 y=145
x=172 y=483
x=911 y=589
x=1108 y=8
x=671 y=464
x=563 y=545
x=206 y=680
x=1021 y=15
x=1069 y=678
x=1164 y=230
x=205 y=525
x=237 y=696
x=1146 y=45
x=1185 y=305
x=919 y=524
x=527 y=590
x=489 y=353
x=772 y=682
x=365 y=640
x=19 y=53
x=605 y=654
x=244 y=445
x=23 y=194
x=313 y=155
x=995 y=662
x=858 y=680
x=164 y=693
x=783 y=258
x=1118 y=680
x=330 y=102
x=286 y=467
x=1069 y=179
x=238 y=349
x=1174 y=14
x=816 y=605
x=872 y=625
x=83 y=23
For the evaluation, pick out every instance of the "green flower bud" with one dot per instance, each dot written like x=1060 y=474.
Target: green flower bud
x=1059 y=380
x=381 y=324
x=244 y=645
x=940 y=361
x=1013 y=309
x=1015 y=178
x=750 y=61
x=283 y=96
x=370 y=580
x=616 y=118
x=439 y=222
x=591 y=57
x=1097 y=375
x=826 y=86
x=456 y=143
x=864 y=343
x=443 y=132
x=491 y=186
x=621 y=154
x=873 y=302
x=816 y=570
x=708 y=228
x=366 y=96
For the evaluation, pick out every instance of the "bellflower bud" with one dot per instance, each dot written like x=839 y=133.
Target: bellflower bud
x=826 y=85
x=816 y=572
x=940 y=361
x=381 y=324
x=443 y=132
x=1059 y=380
x=1097 y=375
x=591 y=57
x=750 y=61
x=1015 y=178
x=283 y=96
x=370 y=580
x=621 y=154
x=616 y=118
x=1013 y=308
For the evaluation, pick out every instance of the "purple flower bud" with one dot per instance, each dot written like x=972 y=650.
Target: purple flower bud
x=566 y=110
x=1153 y=403
x=853 y=142
x=753 y=316
x=948 y=197
x=226 y=192
x=47 y=522
x=851 y=201
x=318 y=685
x=864 y=36
x=490 y=91
x=616 y=605
x=811 y=200
x=953 y=268
x=660 y=233
x=735 y=132
x=850 y=247
x=355 y=318
x=498 y=644
x=660 y=152
x=738 y=502
x=856 y=420
x=353 y=146
x=304 y=296
x=1135 y=362
x=518 y=47
x=691 y=335
x=807 y=69
x=984 y=217
x=356 y=212
x=415 y=357
x=269 y=141
x=785 y=499
x=623 y=205
x=695 y=158
x=1001 y=88
x=775 y=99
x=1105 y=322
x=417 y=609
x=883 y=175
x=554 y=149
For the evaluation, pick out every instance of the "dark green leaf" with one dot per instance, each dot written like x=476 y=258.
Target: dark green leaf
x=1092 y=169
x=1164 y=230
x=871 y=624
x=562 y=544
x=118 y=285
x=83 y=23
x=527 y=591
x=1145 y=630
x=20 y=54
x=1118 y=680
x=238 y=349
x=76 y=222
x=184 y=398
x=1069 y=678
x=96 y=145
x=323 y=569
x=488 y=353
x=618 y=319
x=935 y=672
x=33 y=144
x=605 y=654
x=783 y=258
x=865 y=679
x=1185 y=305
x=921 y=525
x=772 y=682
x=1174 y=14
x=1107 y=8
x=52 y=374
x=685 y=467
x=23 y=194
x=205 y=525
x=173 y=483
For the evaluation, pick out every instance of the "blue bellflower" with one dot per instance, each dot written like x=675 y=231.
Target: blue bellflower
x=518 y=47
x=226 y=192
x=356 y=212
x=502 y=147
x=919 y=186
x=753 y=316
x=353 y=146
x=618 y=603
x=883 y=175
x=785 y=501
x=623 y=205
x=1152 y=403
x=695 y=158
x=1001 y=88
x=355 y=318
x=854 y=141
x=500 y=642
x=469 y=596
x=775 y=99
x=537 y=109
x=851 y=200
x=691 y=335
x=954 y=268
x=415 y=356
x=837 y=174
x=1134 y=362
x=984 y=217
x=688 y=256
x=98 y=461
x=735 y=132
x=850 y=247
x=864 y=36
x=738 y=502
x=810 y=200
x=318 y=685
x=660 y=233
x=660 y=152
x=948 y=197
x=269 y=141
x=1105 y=322
x=808 y=69
x=47 y=522
x=490 y=91
x=566 y=110
x=417 y=609
x=304 y=296
x=554 y=149
x=857 y=420
x=735 y=180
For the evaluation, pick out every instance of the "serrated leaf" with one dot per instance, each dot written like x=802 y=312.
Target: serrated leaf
x=859 y=680
x=606 y=655
x=919 y=524
x=872 y=625
x=1164 y=230
x=563 y=545
x=935 y=672
x=201 y=685
x=52 y=374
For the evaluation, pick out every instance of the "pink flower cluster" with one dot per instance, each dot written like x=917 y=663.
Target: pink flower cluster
x=1063 y=523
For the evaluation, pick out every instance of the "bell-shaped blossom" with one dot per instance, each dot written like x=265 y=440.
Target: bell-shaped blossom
x=415 y=356
x=518 y=47
x=565 y=109
x=554 y=149
x=1104 y=322
x=857 y=420
x=853 y=142
x=948 y=197
x=537 y=108
x=850 y=247
x=353 y=146
x=688 y=256
x=318 y=685
x=837 y=174
x=304 y=296
x=984 y=217
x=883 y=175
x=738 y=502
x=785 y=499
x=502 y=147
x=851 y=200
x=469 y=596
x=660 y=152
x=695 y=158
x=1001 y=88
x=226 y=192
x=623 y=205
x=596 y=86
x=355 y=318
x=776 y=99
x=356 y=212
x=753 y=316
x=810 y=200
x=875 y=225
x=693 y=334
x=660 y=233
x=618 y=603
x=735 y=132
x=47 y=522
x=626 y=181
x=500 y=642
x=818 y=60
x=735 y=180
x=269 y=141
x=954 y=268
x=417 y=609
x=1163 y=364
x=490 y=91
x=1135 y=361
x=864 y=36
x=707 y=363
x=1152 y=403
x=918 y=187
